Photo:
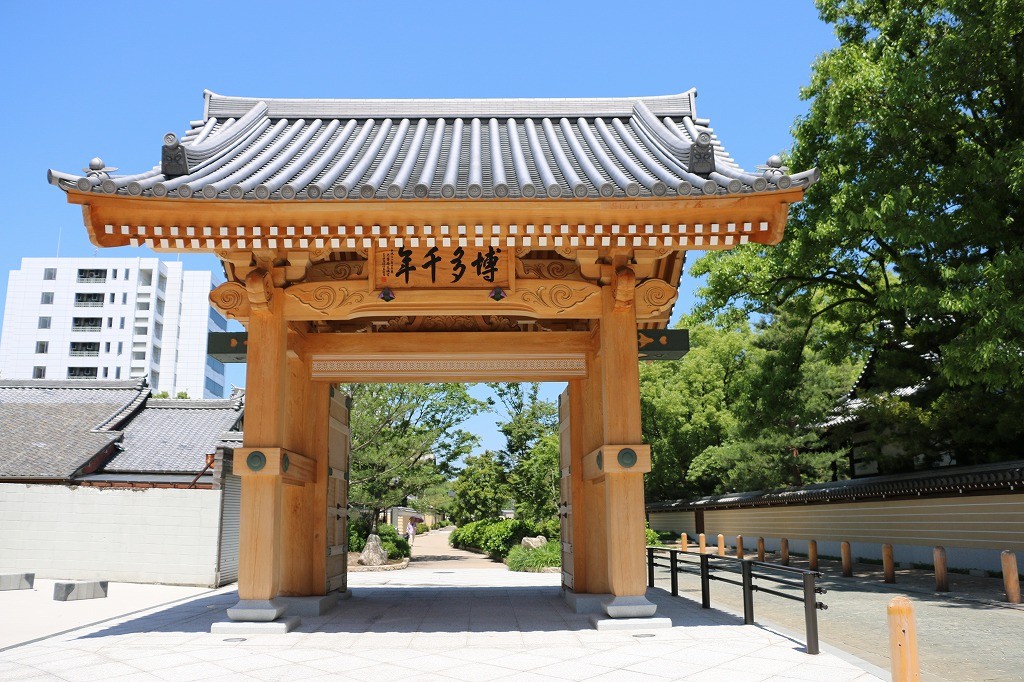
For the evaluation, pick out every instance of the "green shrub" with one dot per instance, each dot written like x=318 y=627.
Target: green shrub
x=652 y=535
x=472 y=534
x=356 y=542
x=501 y=537
x=396 y=547
x=547 y=555
x=550 y=528
x=422 y=528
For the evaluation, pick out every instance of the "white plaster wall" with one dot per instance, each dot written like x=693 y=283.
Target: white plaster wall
x=147 y=536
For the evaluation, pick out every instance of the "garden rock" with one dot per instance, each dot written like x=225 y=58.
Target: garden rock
x=534 y=543
x=373 y=554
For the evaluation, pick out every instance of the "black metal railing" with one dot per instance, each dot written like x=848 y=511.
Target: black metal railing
x=711 y=567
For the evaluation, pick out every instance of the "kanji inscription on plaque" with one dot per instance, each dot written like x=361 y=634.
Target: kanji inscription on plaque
x=457 y=267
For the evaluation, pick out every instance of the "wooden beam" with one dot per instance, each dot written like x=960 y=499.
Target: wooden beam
x=617 y=459
x=286 y=220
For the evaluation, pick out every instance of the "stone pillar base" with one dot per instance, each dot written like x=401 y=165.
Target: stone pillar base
x=257 y=610
x=584 y=603
x=277 y=627
x=628 y=607
x=309 y=607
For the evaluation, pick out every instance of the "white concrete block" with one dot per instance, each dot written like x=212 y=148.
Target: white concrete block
x=74 y=590
x=17 y=581
x=277 y=627
x=605 y=624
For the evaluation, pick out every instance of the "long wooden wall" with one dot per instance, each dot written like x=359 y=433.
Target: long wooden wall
x=979 y=526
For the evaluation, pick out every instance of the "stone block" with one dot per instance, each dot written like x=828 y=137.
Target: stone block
x=257 y=610
x=584 y=603
x=276 y=627
x=628 y=607
x=309 y=607
x=72 y=590
x=534 y=543
x=17 y=581
x=605 y=623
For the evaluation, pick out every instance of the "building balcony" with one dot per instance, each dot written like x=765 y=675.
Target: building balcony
x=84 y=353
x=83 y=328
x=91 y=280
x=88 y=304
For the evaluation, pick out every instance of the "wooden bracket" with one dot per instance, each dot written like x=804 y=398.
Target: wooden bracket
x=617 y=459
x=260 y=288
x=623 y=287
x=293 y=468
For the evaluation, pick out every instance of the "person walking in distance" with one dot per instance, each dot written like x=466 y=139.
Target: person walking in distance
x=410 y=531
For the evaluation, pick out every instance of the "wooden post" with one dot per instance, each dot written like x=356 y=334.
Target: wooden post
x=259 y=542
x=812 y=554
x=585 y=434
x=620 y=382
x=760 y=549
x=739 y=546
x=1011 y=578
x=721 y=545
x=784 y=551
x=844 y=549
x=684 y=543
x=888 y=563
x=903 y=641
x=702 y=543
x=941 y=576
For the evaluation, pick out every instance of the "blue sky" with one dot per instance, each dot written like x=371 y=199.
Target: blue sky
x=83 y=80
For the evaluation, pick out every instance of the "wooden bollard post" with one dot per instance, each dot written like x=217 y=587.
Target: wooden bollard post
x=888 y=563
x=1011 y=579
x=684 y=543
x=702 y=543
x=903 y=640
x=760 y=549
x=844 y=550
x=739 y=546
x=721 y=545
x=812 y=554
x=941 y=576
x=784 y=551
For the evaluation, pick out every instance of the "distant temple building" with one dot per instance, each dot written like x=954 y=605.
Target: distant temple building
x=113 y=319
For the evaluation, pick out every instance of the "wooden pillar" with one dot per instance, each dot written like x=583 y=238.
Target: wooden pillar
x=812 y=554
x=590 y=569
x=623 y=484
x=260 y=547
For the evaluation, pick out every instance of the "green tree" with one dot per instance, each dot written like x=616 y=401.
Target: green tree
x=404 y=439
x=535 y=481
x=912 y=242
x=481 y=489
x=528 y=418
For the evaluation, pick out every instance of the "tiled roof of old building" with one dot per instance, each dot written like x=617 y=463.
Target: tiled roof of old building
x=51 y=429
x=336 y=149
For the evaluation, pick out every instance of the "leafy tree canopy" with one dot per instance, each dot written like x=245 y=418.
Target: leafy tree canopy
x=405 y=438
x=481 y=489
x=911 y=245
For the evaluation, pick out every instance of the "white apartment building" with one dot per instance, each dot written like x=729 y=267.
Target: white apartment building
x=111 y=318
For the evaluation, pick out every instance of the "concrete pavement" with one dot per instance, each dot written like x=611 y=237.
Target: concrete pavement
x=428 y=623
x=962 y=635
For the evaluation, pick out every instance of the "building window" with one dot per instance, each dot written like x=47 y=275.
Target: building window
x=86 y=324
x=111 y=297
x=110 y=322
x=88 y=300
x=50 y=273
x=46 y=298
x=122 y=324
x=106 y=348
x=92 y=276
x=86 y=349
x=120 y=347
x=38 y=372
x=141 y=331
x=114 y=275
x=160 y=306
x=42 y=346
x=214 y=388
x=124 y=299
x=105 y=372
x=82 y=373
x=126 y=271
x=44 y=323
x=117 y=372
x=161 y=284
x=145 y=278
x=138 y=355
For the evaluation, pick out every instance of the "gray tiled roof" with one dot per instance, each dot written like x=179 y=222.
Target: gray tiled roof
x=939 y=482
x=247 y=148
x=51 y=428
x=174 y=435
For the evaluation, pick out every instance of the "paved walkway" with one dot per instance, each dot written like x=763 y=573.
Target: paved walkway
x=433 y=551
x=962 y=635
x=428 y=623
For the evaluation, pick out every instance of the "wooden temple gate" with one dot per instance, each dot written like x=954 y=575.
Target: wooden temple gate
x=440 y=240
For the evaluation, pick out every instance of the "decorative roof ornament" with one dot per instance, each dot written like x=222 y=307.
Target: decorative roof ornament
x=95 y=174
x=776 y=172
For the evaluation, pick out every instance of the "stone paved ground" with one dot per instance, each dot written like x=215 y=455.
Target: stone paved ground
x=962 y=635
x=428 y=623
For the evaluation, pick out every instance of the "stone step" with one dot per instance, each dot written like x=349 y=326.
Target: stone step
x=17 y=581
x=72 y=590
